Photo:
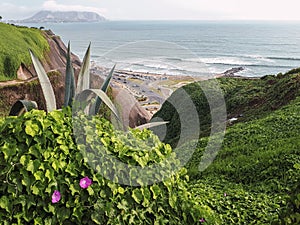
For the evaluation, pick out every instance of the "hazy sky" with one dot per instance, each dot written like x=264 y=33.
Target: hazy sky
x=161 y=9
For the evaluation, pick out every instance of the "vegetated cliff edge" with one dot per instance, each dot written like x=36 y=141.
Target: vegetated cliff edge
x=27 y=85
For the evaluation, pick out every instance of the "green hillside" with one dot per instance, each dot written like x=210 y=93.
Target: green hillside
x=14 y=45
x=257 y=167
x=255 y=176
x=246 y=99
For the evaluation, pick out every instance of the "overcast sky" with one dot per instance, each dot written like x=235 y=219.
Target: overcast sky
x=161 y=9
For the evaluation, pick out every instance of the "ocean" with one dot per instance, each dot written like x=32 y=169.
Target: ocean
x=195 y=48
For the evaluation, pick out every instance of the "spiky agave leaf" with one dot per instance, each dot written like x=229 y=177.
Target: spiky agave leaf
x=69 y=80
x=96 y=106
x=83 y=81
x=21 y=107
x=45 y=83
x=150 y=125
x=87 y=95
x=106 y=83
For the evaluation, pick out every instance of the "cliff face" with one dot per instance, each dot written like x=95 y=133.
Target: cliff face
x=55 y=64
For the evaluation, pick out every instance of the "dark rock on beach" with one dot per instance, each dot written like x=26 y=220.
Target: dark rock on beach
x=232 y=72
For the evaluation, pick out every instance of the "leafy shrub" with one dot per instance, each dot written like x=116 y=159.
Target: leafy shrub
x=293 y=71
x=235 y=204
x=291 y=215
x=39 y=157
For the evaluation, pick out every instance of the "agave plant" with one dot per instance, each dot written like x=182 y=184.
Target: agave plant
x=81 y=93
x=89 y=100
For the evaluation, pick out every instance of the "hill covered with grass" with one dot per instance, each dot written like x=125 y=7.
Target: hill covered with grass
x=255 y=176
x=14 y=45
x=257 y=167
x=245 y=99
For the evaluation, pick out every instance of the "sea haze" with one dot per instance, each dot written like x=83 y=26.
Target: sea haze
x=187 y=47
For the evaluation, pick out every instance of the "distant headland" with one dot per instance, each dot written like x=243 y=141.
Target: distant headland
x=63 y=17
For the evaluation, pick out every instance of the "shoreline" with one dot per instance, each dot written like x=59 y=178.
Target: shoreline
x=150 y=89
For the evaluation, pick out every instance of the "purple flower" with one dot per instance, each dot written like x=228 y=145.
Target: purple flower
x=202 y=220
x=225 y=194
x=56 y=196
x=85 y=182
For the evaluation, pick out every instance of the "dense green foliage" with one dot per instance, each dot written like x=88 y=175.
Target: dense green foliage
x=38 y=155
x=253 y=180
x=255 y=177
x=14 y=45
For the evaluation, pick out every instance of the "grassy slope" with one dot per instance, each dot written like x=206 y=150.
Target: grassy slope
x=257 y=164
x=251 y=98
x=256 y=167
x=14 y=45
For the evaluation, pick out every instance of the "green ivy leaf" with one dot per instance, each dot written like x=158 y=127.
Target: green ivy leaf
x=102 y=194
x=147 y=196
x=74 y=189
x=27 y=180
x=9 y=150
x=77 y=212
x=123 y=205
x=35 y=190
x=35 y=151
x=38 y=221
x=71 y=169
x=55 y=165
x=137 y=195
x=297 y=166
x=51 y=209
x=172 y=200
x=48 y=221
x=90 y=190
x=31 y=128
x=63 y=214
x=5 y=204
x=65 y=149
x=121 y=190
x=156 y=191
x=33 y=166
x=51 y=187
x=39 y=175
x=24 y=159
x=96 y=218
x=49 y=174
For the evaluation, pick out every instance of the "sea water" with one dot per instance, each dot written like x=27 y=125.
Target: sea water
x=187 y=47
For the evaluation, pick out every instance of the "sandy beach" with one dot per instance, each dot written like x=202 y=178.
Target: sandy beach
x=149 y=89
